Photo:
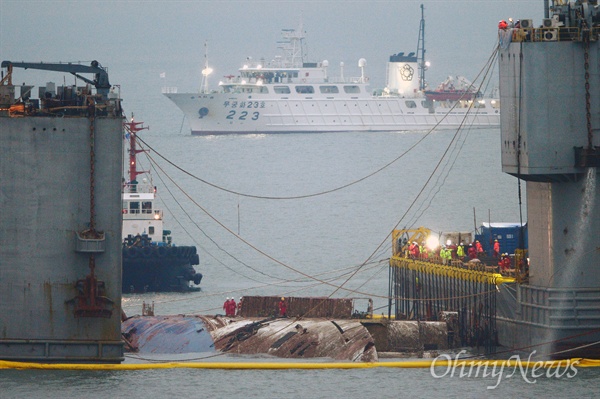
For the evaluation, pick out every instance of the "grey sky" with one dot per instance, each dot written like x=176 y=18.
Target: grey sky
x=168 y=36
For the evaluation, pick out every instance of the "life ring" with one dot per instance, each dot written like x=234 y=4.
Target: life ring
x=147 y=252
x=197 y=278
x=183 y=252
x=132 y=252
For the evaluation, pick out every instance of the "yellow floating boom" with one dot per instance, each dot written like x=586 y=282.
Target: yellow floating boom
x=576 y=362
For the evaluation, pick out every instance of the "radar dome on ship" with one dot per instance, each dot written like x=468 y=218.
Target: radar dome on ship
x=325 y=63
x=362 y=63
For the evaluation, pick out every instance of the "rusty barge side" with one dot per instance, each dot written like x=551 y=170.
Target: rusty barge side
x=60 y=224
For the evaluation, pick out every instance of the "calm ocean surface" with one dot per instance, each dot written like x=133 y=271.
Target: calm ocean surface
x=290 y=246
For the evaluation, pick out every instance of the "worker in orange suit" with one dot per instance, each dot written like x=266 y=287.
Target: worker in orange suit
x=496 y=249
x=479 y=248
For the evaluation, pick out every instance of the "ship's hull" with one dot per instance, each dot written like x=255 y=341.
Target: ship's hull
x=555 y=323
x=551 y=86
x=160 y=269
x=494 y=310
x=45 y=174
x=224 y=113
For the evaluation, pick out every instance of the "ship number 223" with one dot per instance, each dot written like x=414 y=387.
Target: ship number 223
x=243 y=115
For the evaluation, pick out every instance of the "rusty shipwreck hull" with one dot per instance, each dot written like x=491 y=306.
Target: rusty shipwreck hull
x=169 y=334
x=346 y=340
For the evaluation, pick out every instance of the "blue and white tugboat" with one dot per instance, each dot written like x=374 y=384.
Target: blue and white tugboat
x=151 y=262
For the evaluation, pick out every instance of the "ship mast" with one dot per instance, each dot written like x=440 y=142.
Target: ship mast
x=421 y=50
x=293 y=46
x=132 y=128
x=206 y=71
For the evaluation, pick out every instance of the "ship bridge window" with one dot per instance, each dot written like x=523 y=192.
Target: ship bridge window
x=351 y=89
x=150 y=230
x=410 y=104
x=329 y=89
x=147 y=207
x=134 y=207
x=256 y=89
x=282 y=89
x=305 y=89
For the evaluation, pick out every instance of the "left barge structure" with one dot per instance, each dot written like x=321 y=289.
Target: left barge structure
x=60 y=224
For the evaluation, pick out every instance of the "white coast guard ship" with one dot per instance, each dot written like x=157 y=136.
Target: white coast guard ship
x=288 y=95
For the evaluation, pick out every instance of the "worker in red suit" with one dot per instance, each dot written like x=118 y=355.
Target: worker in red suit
x=226 y=306
x=472 y=252
x=232 y=307
x=506 y=262
x=282 y=308
x=414 y=250
x=239 y=306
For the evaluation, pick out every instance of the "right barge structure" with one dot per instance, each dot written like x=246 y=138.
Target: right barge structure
x=549 y=81
x=550 y=304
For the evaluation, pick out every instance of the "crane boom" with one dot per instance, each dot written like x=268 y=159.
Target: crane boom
x=100 y=75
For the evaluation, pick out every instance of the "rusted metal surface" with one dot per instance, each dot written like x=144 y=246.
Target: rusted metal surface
x=91 y=300
x=267 y=306
x=338 y=339
x=408 y=336
x=346 y=340
x=168 y=334
x=38 y=324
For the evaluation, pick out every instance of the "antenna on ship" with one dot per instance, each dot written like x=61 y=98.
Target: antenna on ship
x=206 y=71
x=293 y=45
x=421 y=50
x=132 y=129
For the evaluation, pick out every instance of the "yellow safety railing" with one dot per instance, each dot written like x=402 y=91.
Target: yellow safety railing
x=552 y=34
x=450 y=271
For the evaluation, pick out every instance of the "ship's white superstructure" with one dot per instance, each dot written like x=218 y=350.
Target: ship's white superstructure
x=139 y=214
x=288 y=95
